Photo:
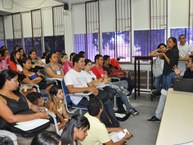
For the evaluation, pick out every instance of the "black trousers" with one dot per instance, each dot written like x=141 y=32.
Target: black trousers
x=108 y=115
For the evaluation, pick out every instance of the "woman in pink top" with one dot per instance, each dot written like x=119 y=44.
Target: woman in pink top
x=66 y=65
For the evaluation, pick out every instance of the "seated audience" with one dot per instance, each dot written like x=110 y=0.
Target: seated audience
x=71 y=57
x=56 y=104
x=53 y=69
x=36 y=61
x=43 y=58
x=5 y=54
x=36 y=78
x=3 y=65
x=46 y=138
x=36 y=99
x=90 y=77
x=98 y=133
x=82 y=53
x=158 y=65
x=75 y=84
x=22 y=53
x=14 y=107
x=101 y=74
x=185 y=49
x=75 y=130
x=98 y=70
x=189 y=69
x=14 y=63
x=66 y=65
x=108 y=67
x=16 y=47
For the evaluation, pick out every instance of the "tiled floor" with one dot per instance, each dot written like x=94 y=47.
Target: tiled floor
x=145 y=133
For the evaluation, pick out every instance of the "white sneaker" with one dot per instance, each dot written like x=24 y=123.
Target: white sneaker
x=164 y=92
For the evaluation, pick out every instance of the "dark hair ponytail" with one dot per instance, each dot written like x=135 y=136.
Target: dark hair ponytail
x=77 y=121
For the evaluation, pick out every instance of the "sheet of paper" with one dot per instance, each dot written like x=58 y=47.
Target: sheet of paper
x=117 y=136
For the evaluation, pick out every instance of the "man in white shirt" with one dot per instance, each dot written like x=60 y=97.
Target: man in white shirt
x=98 y=134
x=76 y=84
x=184 y=49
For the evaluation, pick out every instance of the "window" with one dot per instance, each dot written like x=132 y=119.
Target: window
x=79 y=42
x=28 y=45
x=92 y=44
x=2 y=32
x=142 y=39
x=17 y=29
x=2 y=43
x=175 y=32
x=10 y=44
x=37 y=31
x=123 y=45
x=49 y=43
x=37 y=44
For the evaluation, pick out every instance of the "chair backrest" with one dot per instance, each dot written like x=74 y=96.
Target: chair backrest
x=66 y=92
x=69 y=103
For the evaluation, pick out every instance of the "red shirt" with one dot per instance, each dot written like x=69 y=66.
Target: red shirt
x=98 y=71
x=13 y=67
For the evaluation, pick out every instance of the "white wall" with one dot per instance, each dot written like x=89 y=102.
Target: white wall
x=47 y=21
x=107 y=13
x=26 y=24
x=140 y=14
x=75 y=21
x=8 y=27
x=178 y=13
x=78 y=19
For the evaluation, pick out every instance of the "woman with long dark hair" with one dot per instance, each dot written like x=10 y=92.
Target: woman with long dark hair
x=36 y=61
x=14 y=107
x=75 y=130
x=66 y=65
x=171 y=58
x=56 y=105
x=14 y=63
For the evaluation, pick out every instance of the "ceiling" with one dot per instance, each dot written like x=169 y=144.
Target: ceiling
x=7 y=3
x=74 y=1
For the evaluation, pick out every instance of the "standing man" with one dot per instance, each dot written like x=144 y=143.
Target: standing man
x=185 y=50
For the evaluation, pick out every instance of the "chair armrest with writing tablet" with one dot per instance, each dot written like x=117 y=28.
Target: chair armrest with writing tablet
x=54 y=79
x=84 y=95
x=102 y=86
x=116 y=78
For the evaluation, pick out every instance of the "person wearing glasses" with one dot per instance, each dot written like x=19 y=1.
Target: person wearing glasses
x=185 y=50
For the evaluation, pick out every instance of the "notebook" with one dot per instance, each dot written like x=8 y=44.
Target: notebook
x=29 y=125
x=183 y=84
x=117 y=136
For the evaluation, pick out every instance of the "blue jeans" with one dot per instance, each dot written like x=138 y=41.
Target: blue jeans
x=167 y=80
x=158 y=83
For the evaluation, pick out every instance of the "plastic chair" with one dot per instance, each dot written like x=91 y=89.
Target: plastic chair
x=12 y=136
x=70 y=107
x=53 y=115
